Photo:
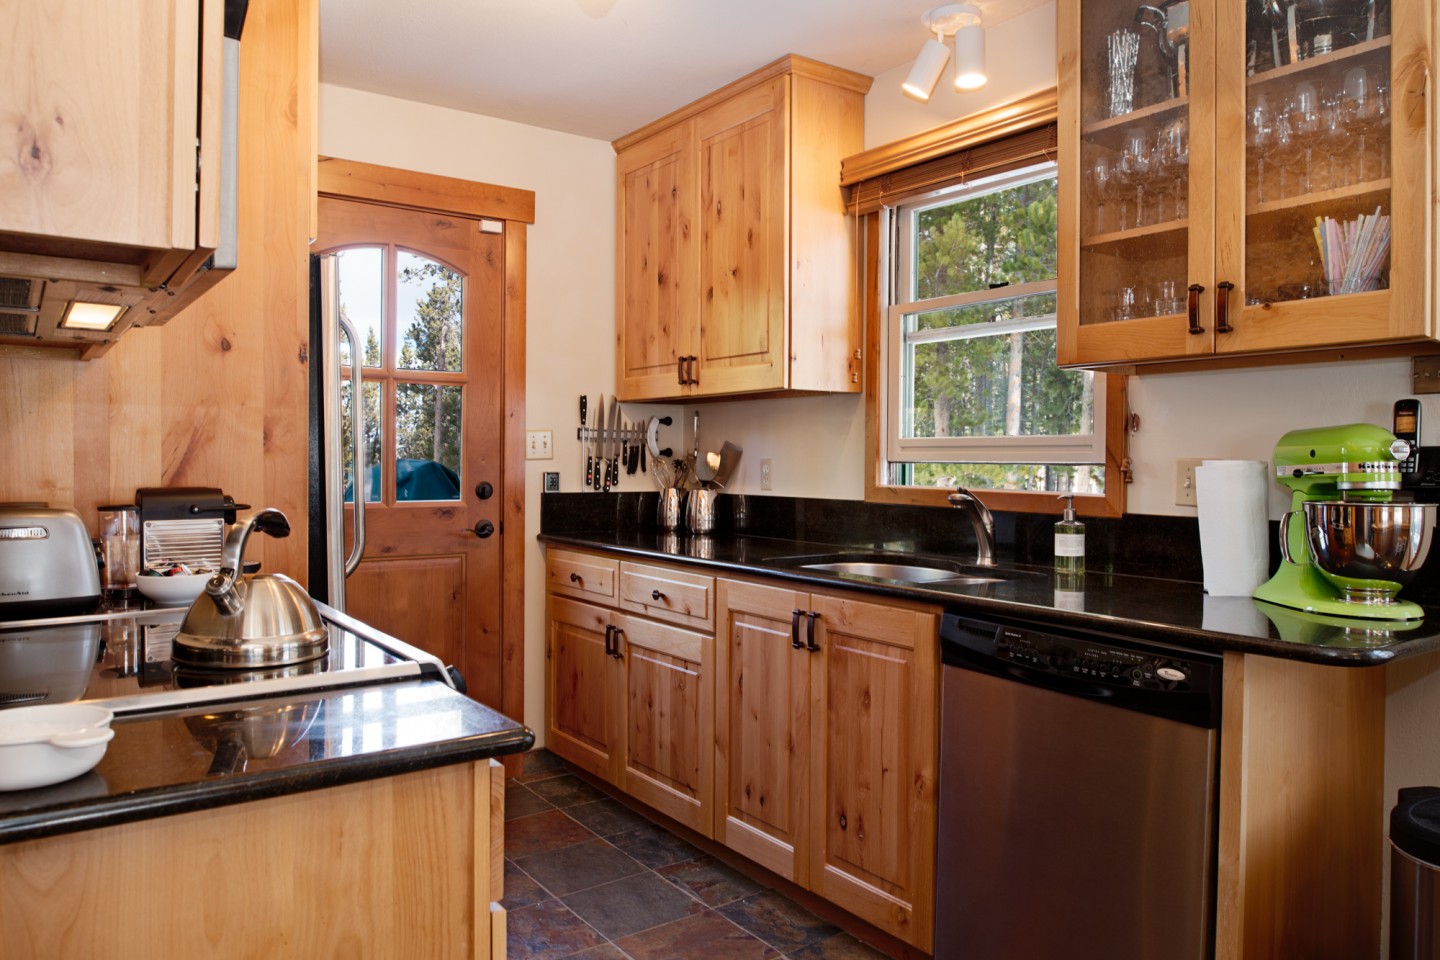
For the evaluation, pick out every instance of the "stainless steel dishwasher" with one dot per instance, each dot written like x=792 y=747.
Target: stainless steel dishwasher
x=1077 y=796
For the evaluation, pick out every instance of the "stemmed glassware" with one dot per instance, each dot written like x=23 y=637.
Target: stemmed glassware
x=1103 y=186
x=1171 y=162
x=1133 y=171
x=1260 y=134
x=1305 y=120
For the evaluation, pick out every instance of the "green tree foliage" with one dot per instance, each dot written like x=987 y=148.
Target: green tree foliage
x=997 y=385
x=428 y=417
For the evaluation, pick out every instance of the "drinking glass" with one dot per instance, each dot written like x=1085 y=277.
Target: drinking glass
x=1285 y=149
x=1361 y=104
x=1101 y=175
x=1305 y=120
x=1134 y=168
x=1261 y=125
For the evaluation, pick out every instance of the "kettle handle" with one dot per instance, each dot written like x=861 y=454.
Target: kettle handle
x=221 y=588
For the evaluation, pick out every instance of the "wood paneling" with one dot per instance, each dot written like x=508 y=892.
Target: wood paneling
x=1302 y=754
x=580 y=575
x=427 y=612
x=582 y=695
x=665 y=594
x=385 y=868
x=217 y=396
x=353 y=180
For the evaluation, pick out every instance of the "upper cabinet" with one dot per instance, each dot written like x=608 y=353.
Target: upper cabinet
x=736 y=273
x=110 y=181
x=1242 y=178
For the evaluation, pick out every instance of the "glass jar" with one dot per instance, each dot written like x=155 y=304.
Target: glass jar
x=120 y=549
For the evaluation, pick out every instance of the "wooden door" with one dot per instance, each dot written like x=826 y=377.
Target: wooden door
x=1374 y=159
x=1134 y=239
x=873 y=763
x=668 y=719
x=743 y=149
x=656 y=291
x=762 y=726
x=425 y=292
x=582 y=704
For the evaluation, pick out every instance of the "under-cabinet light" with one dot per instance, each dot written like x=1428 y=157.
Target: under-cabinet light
x=83 y=315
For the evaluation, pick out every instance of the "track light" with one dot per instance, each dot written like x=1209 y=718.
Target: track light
x=962 y=20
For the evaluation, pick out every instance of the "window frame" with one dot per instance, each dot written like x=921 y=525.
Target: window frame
x=921 y=165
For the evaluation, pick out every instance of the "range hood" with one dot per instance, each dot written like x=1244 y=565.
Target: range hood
x=95 y=239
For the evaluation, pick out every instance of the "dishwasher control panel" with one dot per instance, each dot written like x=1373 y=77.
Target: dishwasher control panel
x=1093 y=661
x=1147 y=676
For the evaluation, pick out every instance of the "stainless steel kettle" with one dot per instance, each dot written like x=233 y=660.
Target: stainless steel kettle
x=255 y=621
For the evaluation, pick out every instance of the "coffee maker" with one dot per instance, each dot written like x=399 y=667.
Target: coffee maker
x=1348 y=545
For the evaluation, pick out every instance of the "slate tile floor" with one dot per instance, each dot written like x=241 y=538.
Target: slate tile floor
x=587 y=878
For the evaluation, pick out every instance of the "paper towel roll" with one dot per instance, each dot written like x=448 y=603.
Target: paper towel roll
x=1234 y=547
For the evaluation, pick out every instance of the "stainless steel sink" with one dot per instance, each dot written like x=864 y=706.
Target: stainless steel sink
x=901 y=572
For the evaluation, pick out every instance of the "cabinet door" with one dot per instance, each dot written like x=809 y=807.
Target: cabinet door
x=657 y=283
x=582 y=703
x=1335 y=144
x=762 y=727
x=101 y=104
x=873 y=763
x=743 y=154
x=668 y=719
x=1137 y=175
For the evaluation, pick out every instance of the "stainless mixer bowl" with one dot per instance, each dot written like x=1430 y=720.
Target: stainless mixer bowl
x=1369 y=550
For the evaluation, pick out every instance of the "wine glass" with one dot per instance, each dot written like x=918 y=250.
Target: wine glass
x=1305 y=121
x=1286 y=148
x=1103 y=185
x=1134 y=170
x=1260 y=133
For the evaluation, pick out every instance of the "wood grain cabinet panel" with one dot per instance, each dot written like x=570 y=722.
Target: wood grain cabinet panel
x=666 y=594
x=735 y=272
x=580 y=575
x=581 y=702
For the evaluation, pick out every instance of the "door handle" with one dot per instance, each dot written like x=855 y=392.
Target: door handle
x=1194 y=308
x=1222 y=306
x=795 y=628
x=484 y=529
x=357 y=438
x=810 y=643
x=609 y=634
x=615 y=646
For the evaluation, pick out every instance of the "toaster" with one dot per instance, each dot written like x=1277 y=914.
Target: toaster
x=47 y=563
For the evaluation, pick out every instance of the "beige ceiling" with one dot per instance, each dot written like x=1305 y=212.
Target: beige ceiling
x=601 y=68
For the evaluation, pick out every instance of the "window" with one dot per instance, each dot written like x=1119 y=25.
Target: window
x=959 y=256
x=973 y=396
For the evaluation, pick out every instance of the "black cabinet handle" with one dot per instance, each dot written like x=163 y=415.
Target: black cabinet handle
x=795 y=629
x=1222 y=306
x=693 y=378
x=810 y=643
x=680 y=370
x=615 y=651
x=609 y=633
x=574 y=578
x=656 y=595
x=484 y=529
x=1193 y=308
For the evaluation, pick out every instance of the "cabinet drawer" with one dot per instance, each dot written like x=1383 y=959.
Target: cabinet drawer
x=580 y=575
x=666 y=594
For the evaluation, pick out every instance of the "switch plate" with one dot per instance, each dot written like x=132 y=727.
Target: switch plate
x=538 y=445
x=1185 y=481
x=765 y=474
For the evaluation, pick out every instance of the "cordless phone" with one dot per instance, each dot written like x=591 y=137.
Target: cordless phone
x=1407 y=428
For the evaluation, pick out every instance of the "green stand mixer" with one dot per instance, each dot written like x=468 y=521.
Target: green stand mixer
x=1355 y=546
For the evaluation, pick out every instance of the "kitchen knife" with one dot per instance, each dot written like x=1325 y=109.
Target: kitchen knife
x=613 y=477
x=586 y=464
x=599 y=443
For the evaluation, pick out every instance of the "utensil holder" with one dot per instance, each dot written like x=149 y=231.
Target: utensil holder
x=669 y=512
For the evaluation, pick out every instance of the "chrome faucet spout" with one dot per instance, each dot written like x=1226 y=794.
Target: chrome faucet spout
x=981 y=521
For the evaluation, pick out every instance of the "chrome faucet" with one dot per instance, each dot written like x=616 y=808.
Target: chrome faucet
x=982 y=522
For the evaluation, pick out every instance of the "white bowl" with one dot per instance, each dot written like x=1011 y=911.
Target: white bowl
x=182 y=588
x=51 y=743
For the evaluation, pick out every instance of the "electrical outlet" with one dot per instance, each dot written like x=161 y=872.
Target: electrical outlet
x=1185 y=481
x=765 y=474
x=538 y=445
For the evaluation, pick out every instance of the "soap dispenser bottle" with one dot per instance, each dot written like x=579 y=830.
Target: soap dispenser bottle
x=1069 y=540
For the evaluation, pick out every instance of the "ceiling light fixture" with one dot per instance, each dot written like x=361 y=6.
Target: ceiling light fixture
x=961 y=20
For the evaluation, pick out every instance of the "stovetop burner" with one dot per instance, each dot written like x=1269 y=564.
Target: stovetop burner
x=122 y=658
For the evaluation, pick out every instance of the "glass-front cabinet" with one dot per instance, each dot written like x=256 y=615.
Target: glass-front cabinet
x=1242 y=177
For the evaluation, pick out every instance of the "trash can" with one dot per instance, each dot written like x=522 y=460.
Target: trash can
x=1415 y=874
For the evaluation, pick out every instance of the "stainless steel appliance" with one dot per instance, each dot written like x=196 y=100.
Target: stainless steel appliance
x=1077 y=796
x=122 y=659
x=184 y=525
x=47 y=563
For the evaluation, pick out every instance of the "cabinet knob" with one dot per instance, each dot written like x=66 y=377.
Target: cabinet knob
x=656 y=595
x=574 y=578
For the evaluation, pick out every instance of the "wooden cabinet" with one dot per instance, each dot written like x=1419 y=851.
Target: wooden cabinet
x=1195 y=184
x=112 y=174
x=826 y=747
x=404 y=866
x=629 y=699
x=735 y=273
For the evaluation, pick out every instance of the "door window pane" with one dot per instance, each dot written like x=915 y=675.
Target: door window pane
x=362 y=298
x=372 y=414
x=429 y=308
x=427 y=441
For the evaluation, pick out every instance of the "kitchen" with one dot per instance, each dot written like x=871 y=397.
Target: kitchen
x=129 y=420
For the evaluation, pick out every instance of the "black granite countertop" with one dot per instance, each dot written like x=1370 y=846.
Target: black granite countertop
x=178 y=761
x=1145 y=607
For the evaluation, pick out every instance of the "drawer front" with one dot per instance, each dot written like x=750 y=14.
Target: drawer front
x=580 y=575
x=666 y=594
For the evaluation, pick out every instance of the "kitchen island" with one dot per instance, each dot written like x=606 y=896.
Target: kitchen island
x=1300 y=808
x=359 y=821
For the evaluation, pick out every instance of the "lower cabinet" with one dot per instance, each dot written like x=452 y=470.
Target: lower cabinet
x=804 y=739
x=826 y=747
